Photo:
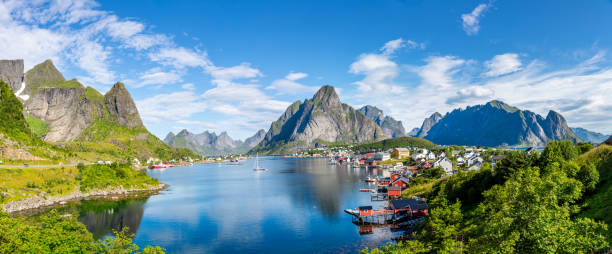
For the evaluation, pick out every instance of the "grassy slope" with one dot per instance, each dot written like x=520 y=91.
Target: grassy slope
x=37 y=126
x=21 y=183
x=599 y=204
x=107 y=140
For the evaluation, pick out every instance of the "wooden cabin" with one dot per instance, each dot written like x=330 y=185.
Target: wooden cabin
x=401 y=182
x=413 y=206
x=394 y=192
x=365 y=210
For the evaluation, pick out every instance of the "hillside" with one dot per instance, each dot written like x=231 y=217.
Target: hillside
x=497 y=123
x=321 y=120
x=395 y=143
x=90 y=125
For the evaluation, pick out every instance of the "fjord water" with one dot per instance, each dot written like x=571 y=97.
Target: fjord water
x=296 y=206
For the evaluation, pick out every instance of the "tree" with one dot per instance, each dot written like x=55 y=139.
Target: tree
x=558 y=151
x=514 y=161
x=589 y=176
x=443 y=225
x=434 y=173
x=530 y=213
x=584 y=147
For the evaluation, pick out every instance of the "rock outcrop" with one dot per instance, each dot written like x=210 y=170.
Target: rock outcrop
x=318 y=121
x=428 y=123
x=11 y=72
x=122 y=108
x=255 y=139
x=609 y=141
x=389 y=125
x=497 y=123
x=590 y=136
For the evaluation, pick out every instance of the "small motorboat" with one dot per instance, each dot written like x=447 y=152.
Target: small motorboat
x=370 y=180
x=364 y=190
x=158 y=166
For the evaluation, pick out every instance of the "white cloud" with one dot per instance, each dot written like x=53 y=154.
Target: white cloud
x=241 y=71
x=439 y=71
x=470 y=94
x=293 y=76
x=157 y=77
x=180 y=57
x=379 y=72
x=188 y=86
x=288 y=85
x=391 y=46
x=170 y=107
x=471 y=21
x=503 y=64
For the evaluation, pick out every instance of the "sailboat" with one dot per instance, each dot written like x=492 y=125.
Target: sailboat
x=257 y=168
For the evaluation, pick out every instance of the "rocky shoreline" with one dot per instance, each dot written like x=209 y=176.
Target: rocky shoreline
x=41 y=202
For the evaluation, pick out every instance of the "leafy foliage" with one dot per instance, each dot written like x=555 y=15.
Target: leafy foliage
x=12 y=122
x=38 y=127
x=53 y=233
x=99 y=176
x=395 y=142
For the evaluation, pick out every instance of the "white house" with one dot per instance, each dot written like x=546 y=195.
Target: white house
x=431 y=156
x=460 y=160
x=380 y=156
x=446 y=164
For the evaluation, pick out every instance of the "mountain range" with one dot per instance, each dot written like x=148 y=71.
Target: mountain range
x=590 y=136
x=80 y=119
x=322 y=120
x=497 y=123
x=390 y=126
x=209 y=143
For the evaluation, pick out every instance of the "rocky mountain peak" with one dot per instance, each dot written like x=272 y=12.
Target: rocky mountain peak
x=609 y=141
x=428 y=123
x=169 y=137
x=255 y=139
x=326 y=95
x=389 y=125
x=501 y=105
x=121 y=106
x=11 y=72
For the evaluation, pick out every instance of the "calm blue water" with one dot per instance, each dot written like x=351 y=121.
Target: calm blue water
x=294 y=207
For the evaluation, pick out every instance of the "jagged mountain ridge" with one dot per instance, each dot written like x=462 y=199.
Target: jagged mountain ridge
x=209 y=143
x=318 y=121
x=589 y=136
x=391 y=127
x=427 y=124
x=497 y=123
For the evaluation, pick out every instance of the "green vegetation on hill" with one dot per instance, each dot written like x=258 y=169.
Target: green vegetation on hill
x=20 y=183
x=549 y=202
x=37 y=126
x=12 y=122
x=394 y=143
x=53 y=233
x=93 y=95
x=107 y=140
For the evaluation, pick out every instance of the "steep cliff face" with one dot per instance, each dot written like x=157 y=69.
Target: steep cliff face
x=497 y=123
x=121 y=107
x=11 y=72
x=209 y=143
x=67 y=110
x=427 y=124
x=320 y=120
x=255 y=139
x=389 y=125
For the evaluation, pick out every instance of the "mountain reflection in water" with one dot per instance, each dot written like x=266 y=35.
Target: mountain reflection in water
x=296 y=205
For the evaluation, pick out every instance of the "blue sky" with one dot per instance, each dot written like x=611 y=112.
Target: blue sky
x=235 y=65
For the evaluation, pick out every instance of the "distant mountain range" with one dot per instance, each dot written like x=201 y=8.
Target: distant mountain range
x=497 y=123
x=65 y=111
x=390 y=126
x=209 y=143
x=322 y=120
x=590 y=136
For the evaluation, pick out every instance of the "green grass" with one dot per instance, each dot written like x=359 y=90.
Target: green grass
x=93 y=95
x=21 y=183
x=598 y=205
x=38 y=127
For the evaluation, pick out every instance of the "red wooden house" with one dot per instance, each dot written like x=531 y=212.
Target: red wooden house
x=365 y=210
x=414 y=207
x=395 y=176
x=401 y=182
x=394 y=192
